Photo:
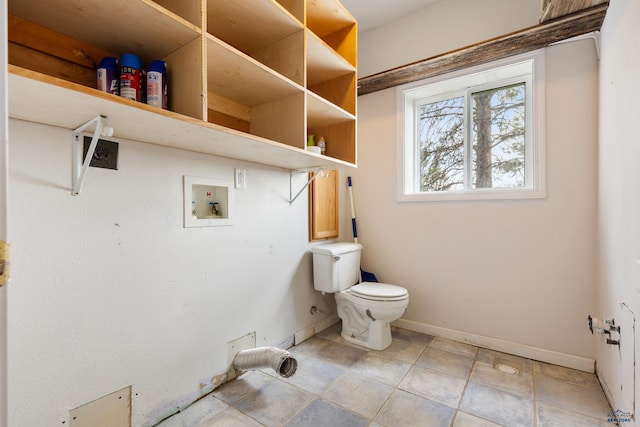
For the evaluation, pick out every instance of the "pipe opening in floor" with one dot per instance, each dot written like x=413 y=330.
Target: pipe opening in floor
x=507 y=367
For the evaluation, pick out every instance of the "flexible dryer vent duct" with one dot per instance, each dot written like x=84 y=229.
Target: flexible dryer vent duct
x=266 y=357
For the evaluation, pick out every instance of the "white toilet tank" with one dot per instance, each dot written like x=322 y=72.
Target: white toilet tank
x=336 y=266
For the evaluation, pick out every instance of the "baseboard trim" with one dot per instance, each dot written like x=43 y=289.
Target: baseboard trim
x=522 y=350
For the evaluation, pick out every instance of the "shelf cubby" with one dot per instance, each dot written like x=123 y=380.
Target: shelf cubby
x=262 y=29
x=190 y=10
x=142 y=27
x=331 y=22
x=68 y=42
x=244 y=92
x=340 y=138
x=334 y=124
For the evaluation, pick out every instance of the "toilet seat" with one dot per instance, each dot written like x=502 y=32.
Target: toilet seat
x=379 y=291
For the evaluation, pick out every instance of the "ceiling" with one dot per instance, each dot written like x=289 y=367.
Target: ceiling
x=372 y=13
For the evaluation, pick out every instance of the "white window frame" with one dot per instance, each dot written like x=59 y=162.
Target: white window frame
x=494 y=74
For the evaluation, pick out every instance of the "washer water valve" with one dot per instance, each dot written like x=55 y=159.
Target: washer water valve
x=607 y=328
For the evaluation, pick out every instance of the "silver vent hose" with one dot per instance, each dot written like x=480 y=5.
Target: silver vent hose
x=266 y=357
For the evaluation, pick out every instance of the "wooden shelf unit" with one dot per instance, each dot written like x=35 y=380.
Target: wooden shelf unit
x=261 y=73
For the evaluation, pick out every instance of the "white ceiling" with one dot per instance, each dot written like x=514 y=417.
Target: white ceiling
x=372 y=13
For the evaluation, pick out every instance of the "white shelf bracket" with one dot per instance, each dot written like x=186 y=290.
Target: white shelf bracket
x=79 y=164
x=314 y=176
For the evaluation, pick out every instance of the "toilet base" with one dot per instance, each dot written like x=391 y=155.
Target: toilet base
x=376 y=337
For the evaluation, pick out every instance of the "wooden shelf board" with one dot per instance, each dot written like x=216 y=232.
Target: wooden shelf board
x=240 y=78
x=327 y=16
x=38 y=98
x=320 y=112
x=250 y=25
x=323 y=63
x=141 y=27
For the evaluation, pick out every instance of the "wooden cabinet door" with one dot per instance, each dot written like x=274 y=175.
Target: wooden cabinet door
x=323 y=206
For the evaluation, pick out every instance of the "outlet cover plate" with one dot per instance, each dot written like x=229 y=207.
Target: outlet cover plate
x=105 y=156
x=241 y=179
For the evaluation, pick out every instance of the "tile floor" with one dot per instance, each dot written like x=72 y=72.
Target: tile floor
x=418 y=381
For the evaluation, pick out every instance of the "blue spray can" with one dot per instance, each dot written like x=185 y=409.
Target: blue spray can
x=109 y=75
x=157 y=84
x=130 y=77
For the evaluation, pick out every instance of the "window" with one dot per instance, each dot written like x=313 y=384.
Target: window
x=475 y=134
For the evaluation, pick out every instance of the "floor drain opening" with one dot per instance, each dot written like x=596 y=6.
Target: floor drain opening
x=507 y=367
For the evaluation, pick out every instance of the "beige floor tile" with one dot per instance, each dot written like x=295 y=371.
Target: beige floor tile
x=434 y=385
x=497 y=406
x=332 y=332
x=309 y=347
x=583 y=399
x=443 y=361
x=358 y=394
x=551 y=416
x=407 y=351
x=462 y=349
x=321 y=413
x=486 y=374
x=231 y=417
x=275 y=403
x=411 y=336
x=467 y=420
x=314 y=375
x=342 y=355
x=241 y=386
x=567 y=375
x=408 y=410
x=383 y=369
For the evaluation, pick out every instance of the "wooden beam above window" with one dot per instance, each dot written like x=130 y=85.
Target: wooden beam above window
x=552 y=9
x=532 y=38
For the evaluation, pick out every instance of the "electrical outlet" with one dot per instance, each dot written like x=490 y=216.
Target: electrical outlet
x=105 y=156
x=241 y=178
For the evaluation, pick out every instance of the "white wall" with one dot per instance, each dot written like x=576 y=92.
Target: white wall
x=440 y=27
x=517 y=275
x=619 y=203
x=110 y=290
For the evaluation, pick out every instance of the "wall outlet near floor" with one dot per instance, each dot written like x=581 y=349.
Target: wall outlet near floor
x=234 y=347
x=304 y=334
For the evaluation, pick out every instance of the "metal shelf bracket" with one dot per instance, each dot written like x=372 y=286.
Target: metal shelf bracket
x=314 y=176
x=79 y=164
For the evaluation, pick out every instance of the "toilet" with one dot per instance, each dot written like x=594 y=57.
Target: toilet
x=366 y=308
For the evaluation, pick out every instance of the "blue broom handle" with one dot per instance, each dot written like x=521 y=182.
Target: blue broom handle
x=353 y=213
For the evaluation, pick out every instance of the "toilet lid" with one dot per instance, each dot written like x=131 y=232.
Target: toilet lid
x=379 y=291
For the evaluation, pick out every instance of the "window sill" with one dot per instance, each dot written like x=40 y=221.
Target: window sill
x=493 y=194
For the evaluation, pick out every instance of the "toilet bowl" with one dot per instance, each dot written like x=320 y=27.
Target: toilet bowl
x=366 y=309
